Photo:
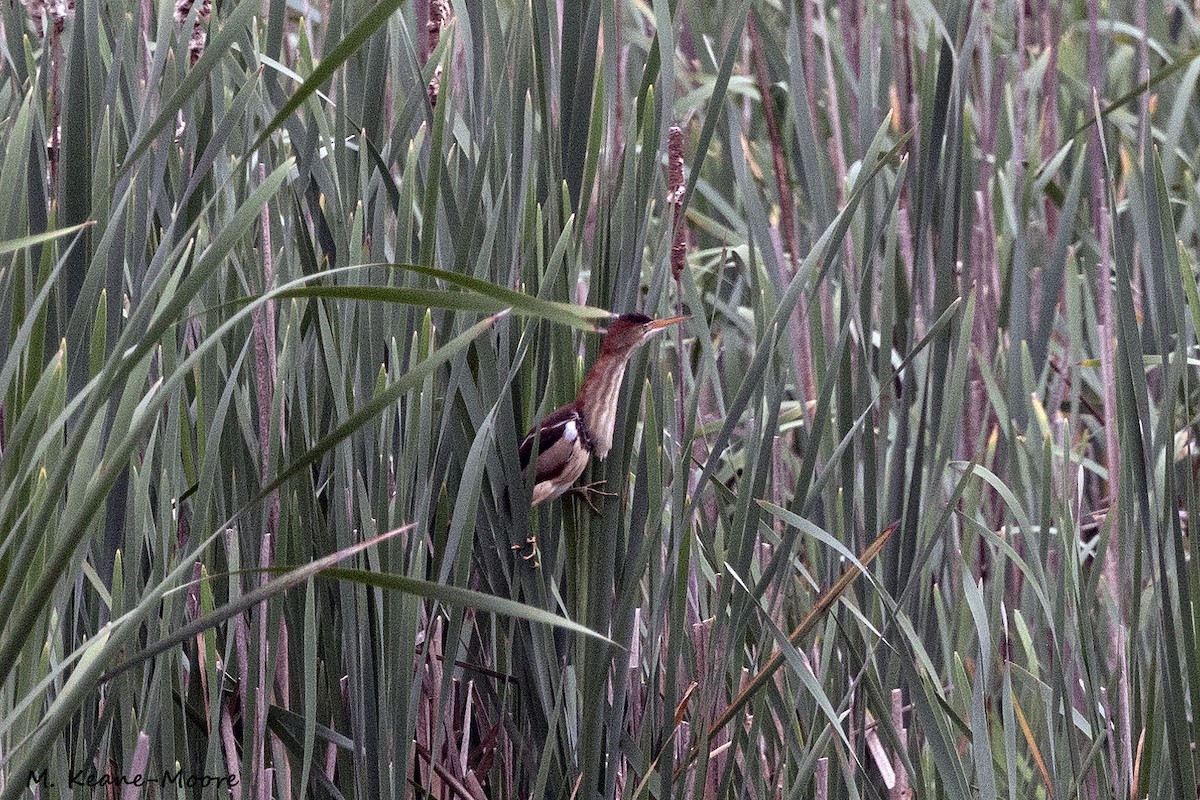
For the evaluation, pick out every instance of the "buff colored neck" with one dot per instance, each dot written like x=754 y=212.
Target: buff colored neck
x=598 y=399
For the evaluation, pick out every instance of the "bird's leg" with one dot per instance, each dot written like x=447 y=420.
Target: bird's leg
x=589 y=489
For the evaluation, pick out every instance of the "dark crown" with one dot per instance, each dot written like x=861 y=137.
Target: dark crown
x=634 y=318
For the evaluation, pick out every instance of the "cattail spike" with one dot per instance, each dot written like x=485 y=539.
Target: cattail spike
x=676 y=189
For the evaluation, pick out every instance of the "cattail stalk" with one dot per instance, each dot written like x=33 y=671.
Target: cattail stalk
x=265 y=376
x=676 y=193
x=801 y=332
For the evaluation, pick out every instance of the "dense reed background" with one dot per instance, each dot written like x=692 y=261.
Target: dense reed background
x=260 y=404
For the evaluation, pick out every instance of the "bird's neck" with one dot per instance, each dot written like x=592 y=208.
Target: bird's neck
x=598 y=399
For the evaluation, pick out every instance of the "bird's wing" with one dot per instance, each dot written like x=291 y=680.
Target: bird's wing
x=559 y=437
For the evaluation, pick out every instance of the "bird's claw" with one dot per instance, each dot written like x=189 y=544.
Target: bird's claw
x=589 y=489
x=533 y=548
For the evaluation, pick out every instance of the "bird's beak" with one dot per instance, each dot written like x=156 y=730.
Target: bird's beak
x=654 y=326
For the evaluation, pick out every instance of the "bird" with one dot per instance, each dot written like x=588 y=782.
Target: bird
x=569 y=436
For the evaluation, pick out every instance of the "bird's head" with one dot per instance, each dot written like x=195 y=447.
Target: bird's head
x=629 y=331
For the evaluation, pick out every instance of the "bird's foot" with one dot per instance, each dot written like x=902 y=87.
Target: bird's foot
x=533 y=548
x=589 y=489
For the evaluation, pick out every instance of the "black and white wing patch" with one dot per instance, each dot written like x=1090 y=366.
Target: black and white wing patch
x=562 y=434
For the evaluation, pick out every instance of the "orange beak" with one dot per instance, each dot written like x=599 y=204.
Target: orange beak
x=661 y=324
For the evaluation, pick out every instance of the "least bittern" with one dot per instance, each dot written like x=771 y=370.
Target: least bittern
x=571 y=435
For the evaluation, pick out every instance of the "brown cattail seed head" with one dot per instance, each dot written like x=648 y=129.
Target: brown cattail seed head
x=435 y=85
x=675 y=185
x=199 y=35
x=675 y=193
x=439 y=15
x=58 y=11
x=61 y=10
x=37 y=11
